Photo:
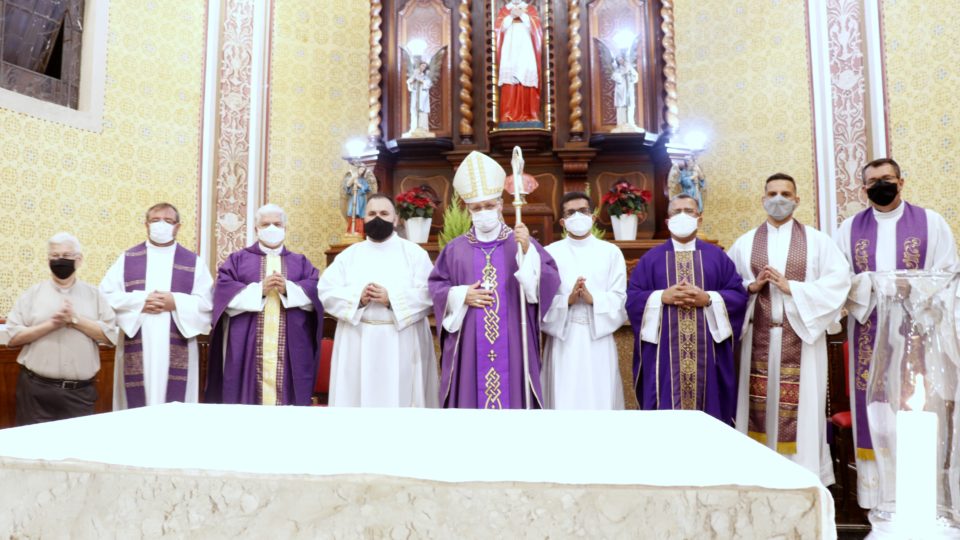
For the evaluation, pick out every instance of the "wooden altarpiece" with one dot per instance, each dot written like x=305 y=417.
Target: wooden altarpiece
x=571 y=142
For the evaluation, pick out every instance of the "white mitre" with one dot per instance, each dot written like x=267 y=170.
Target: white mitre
x=479 y=178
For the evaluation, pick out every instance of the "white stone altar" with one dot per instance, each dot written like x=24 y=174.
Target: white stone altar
x=222 y=471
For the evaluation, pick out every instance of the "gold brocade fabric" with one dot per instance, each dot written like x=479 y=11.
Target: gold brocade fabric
x=271 y=337
x=790 y=348
x=687 y=333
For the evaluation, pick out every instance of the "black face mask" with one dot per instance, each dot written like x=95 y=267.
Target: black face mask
x=882 y=193
x=63 y=268
x=378 y=229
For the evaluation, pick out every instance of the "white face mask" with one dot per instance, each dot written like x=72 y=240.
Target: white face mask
x=486 y=221
x=578 y=224
x=682 y=225
x=779 y=207
x=161 y=232
x=271 y=235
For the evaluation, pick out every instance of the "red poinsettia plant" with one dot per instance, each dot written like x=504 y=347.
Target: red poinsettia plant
x=626 y=199
x=417 y=202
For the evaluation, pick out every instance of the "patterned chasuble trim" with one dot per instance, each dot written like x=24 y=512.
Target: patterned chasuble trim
x=687 y=334
x=791 y=346
x=271 y=338
x=491 y=331
x=911 y=254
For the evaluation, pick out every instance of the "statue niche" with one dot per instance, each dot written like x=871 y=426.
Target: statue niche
x=423 y=73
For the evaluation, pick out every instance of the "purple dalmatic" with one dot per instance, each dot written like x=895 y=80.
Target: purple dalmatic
x=911 y=255
x=233 y=365
x=687 y=369
x=181 y=281
x=482 y=363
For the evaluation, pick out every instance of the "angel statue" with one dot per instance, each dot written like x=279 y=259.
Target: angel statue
x=421 y=76
x=687 y=177
x=357 y=183
x=623 y=73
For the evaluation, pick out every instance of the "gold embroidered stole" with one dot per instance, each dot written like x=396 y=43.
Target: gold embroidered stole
x=271 y=344
x=790 y=346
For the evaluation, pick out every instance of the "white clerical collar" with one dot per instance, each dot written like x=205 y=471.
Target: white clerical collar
x=580 y=242
x=385 y=243
x=771 y=228
x=893 y=214
x=271 y=251
x=488 y=236
x=151 y=245
x=689 y=246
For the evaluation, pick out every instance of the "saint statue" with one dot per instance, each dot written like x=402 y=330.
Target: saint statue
x=421 y=76
x=357 y=184
x=519 y=46
x=687 y=177
x=623 y=72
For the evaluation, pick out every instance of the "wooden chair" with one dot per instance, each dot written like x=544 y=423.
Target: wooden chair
x=321 y=388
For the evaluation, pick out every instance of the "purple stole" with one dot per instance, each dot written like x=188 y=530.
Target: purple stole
x=911 y=255
x=689 y=338
x=181 y=281
x=493 y=350
x=790 y=346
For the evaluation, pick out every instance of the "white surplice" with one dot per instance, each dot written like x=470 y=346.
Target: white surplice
x=810 y=308
x=381 y=357
x=192 y=317
x=581 y=366
x=941 y=255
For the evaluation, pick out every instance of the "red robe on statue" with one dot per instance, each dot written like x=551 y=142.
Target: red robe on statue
x=519 y=47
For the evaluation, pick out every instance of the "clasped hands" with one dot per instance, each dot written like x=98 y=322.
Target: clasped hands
x=769 y=275
x=275 y=282
x=580 y=292
x=158 y=302
x=64 y=316
x=686 y=295
x=374 y=293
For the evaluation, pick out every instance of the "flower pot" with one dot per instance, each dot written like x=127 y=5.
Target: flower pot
x=418 y=229
x=624 y=227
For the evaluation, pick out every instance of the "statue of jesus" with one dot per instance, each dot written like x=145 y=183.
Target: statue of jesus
x=519 y=47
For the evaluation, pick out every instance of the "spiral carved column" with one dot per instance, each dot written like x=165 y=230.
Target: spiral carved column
x=466 y=74
x=373 y=128
x=670 y=114
x=573 y=59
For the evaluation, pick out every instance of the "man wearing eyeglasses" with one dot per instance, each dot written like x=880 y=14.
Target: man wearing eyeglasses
x=890 y=235
x=580 y=364
x=162 y=293
x=59 y=322
x=686 y=304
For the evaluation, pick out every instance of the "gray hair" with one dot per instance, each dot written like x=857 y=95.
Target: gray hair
x=269 y=209
x=64 y=238
x=681 y=196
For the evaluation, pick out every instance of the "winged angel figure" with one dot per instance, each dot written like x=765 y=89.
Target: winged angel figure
x=623 y=73
x=421 y=76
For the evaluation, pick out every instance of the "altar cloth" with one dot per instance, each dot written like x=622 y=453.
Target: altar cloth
x=226 y=470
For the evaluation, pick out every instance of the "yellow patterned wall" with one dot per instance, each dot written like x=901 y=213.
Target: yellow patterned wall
x=97 y=185
x=318 y=100
x=923 y=89
x=743 y=77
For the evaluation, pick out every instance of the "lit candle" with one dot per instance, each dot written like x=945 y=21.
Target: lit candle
x=916 y=463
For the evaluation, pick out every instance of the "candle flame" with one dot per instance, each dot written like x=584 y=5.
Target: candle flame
x=919 y=397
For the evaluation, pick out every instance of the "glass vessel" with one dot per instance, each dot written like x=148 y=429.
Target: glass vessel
x=912 y=396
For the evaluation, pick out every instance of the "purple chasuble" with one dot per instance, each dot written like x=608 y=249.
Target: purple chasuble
x=911 y=255
x=234 y=368
x=135 y=279
x=686 y=369
x=475 y=363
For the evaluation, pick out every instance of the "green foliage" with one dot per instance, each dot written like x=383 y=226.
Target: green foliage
x=456 y=221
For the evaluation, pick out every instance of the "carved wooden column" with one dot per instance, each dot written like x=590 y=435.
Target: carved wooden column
x=373 y=127
x=671 y=111
x=466 y=74
x=573 y=59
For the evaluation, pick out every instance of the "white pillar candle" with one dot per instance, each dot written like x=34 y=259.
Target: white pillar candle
x=916 y=463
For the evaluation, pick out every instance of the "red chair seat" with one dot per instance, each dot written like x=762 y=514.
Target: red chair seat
x=322 y=387
x=842 y=420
